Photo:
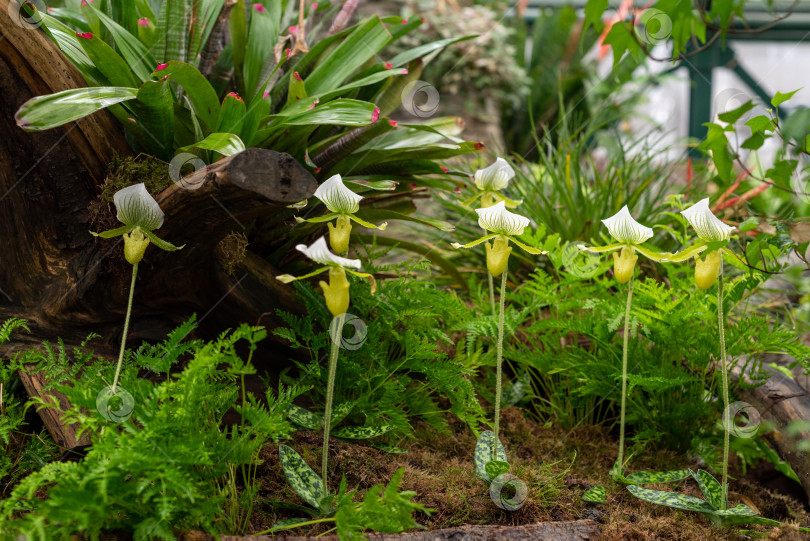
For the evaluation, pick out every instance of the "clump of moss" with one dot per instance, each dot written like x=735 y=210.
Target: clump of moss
x=231 y=251
x=128 y=170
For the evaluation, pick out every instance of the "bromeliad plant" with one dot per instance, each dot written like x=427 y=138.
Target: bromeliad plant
x=336 y=293
x=490 y=456
x=141 y=215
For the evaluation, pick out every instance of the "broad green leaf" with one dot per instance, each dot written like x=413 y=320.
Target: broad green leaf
x=363 y=44
x=302 y=479
x=262 y=34
x=421 y=51
x=760 y=124
x=494 y=468
x=361 y=432
x=202 y=95
x=237 y=27
x=296 y=92
x=155 y=114
x=485 y=453
x=381 y=215
x=65 y=38
x=594 y=10
x=304 y=418
x=232 y=114
x=649 y=478
x=226 y=144
x=710 y=488
x=736 y=114
x=717 y=143
x=338 y=113
x=781 y=98
x=110 y=63
x=140 y=60
x=595 y=494
x=341 y=411
x=671 y=499
x=204 y=25
x=46 y=112
x=754 y=142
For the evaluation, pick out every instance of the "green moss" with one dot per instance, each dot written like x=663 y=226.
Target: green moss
x=128 y=170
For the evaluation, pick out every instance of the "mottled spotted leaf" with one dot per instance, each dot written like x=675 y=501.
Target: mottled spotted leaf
x=287 y=524
x=302 y=479
x=595 y=494
x=304 y=418
x=710 y=488
x=736 y=520
x=671 y=499
x=740 y=510
x=340 y=412
x=651 y=477
x=393 y=449
x=361 y=432
x=494 y=468
x=484 y=453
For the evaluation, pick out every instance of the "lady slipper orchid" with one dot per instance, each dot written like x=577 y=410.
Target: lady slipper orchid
x=342 y=204
x=140 y=214
x=712 y=231
x=336 y=291
x=629 y=235
x=490 y=181
x=503 y=226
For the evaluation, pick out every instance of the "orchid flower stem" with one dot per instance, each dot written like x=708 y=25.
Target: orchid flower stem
x=499 y=370
x=491 y=291
x=624 y=373
x=726 y=420
x=126 y=328
x=330 y=394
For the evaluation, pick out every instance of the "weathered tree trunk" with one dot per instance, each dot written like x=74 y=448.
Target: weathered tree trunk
x=780 y=401
x=51 y=270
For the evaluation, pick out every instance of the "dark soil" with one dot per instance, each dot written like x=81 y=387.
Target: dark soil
x=439 y=468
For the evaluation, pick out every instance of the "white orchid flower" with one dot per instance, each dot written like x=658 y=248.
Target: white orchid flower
x=140 y=214
x=708 y=226
x=336 y=291
x=342 y=204
x=629 y=235
x=490 y=181
x=710 y=230
x=503 y=226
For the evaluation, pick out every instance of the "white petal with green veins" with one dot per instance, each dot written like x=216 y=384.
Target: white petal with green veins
x=495 y=177
x=625 y=229
x=337 y=197
x=320 y=253
x=499 y=220
x=137 y=208
x=708 y=226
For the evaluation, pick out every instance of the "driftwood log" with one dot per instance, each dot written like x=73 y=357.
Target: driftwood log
x=51 y=267
x=575 y=530
x=780 y=401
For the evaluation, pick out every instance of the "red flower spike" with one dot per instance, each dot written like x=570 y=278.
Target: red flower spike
x=422 y=19
x=404 y=21
x=260 y=8
x=85 y=35
x=49 y=9
x=315 y=102
x=287 y=53
x=293 y=30
x=458 y=190
x=404 y=71
x=314 y=6
x=479 y=146
x=318 y=170
x=295 y=74
x=443 y=168
x=375 y=115
x=235 y=95
x=144 y=21
x=161 y=66
x=388 y=65
x=413 y=185
x=393 y=123
x=266 y=94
